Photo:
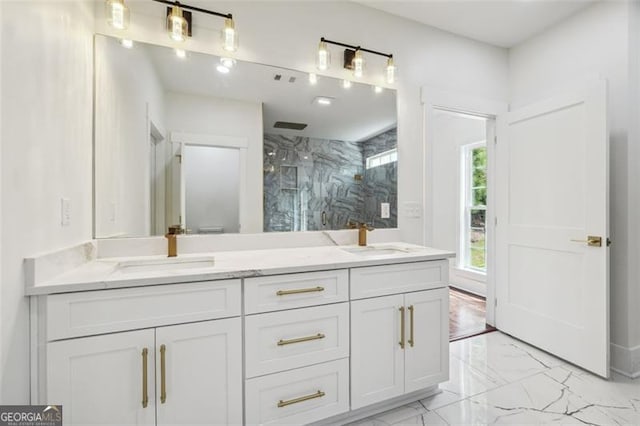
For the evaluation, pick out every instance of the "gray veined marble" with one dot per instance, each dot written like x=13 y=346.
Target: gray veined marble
x=304 y=177
x=496 y=379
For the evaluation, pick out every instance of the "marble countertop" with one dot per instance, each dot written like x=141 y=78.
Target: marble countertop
x=106 y=273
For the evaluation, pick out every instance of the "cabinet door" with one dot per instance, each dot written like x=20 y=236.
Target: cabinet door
x=101 y=380
x=202 y=373
x=376 y=356
x=427 y=353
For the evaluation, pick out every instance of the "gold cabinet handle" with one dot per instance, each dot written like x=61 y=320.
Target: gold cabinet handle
x=163 y=374
x=411 y=340
x=145 y=390
x=299 y=290
x=318 y=394
x=401 y=327
x=318 y=336
x=592 y=241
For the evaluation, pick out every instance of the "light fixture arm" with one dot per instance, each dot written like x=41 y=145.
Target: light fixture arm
x=350 y=46
x=195 y=9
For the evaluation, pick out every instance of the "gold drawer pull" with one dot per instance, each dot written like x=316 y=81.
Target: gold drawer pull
x=401 y=327
x=299 y=290
x=318 y=394
x=163 y=374
x=145 y=391
x=318 y=336
x=411 y=340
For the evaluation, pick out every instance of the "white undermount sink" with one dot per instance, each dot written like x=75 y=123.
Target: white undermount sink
x=376 y=250
x=167 y=264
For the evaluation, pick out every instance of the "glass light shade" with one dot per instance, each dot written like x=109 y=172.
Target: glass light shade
x=391 y=71
x=358 y=64
x=177 y=25
x=324 y=57
x=229 y=36
x=117 y=14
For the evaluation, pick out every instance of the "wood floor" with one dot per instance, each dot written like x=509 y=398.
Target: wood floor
x=466 y=315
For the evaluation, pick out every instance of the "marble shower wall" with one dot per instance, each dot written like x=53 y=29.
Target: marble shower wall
x=306 y=179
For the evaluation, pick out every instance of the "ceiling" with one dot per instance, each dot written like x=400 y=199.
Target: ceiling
x=503 y=23
x=355 y=114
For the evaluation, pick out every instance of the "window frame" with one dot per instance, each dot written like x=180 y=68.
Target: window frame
x=382 y=158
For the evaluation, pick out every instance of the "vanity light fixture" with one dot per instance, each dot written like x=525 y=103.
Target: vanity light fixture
x=346 y=84
x=179 y=22
x=353 y=59
x=117 y=14
x=181 y=53
x=313 y=78
x=126 y=43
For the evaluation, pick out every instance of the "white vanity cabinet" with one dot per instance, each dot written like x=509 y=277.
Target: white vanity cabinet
x=187 y=373
x=399 y=342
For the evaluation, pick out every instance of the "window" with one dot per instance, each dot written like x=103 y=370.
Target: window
x=383 y=158
x=473 y=243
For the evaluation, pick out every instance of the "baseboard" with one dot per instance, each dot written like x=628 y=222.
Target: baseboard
x=625 y=361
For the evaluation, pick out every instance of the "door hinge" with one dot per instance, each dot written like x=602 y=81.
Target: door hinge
x=495 y=221
x=495 y=140
x=179 y=158
x=495 y=302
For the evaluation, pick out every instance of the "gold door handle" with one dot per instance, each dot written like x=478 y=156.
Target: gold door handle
x=299 y=290
x=401 y=327
x=163 y=374
x=592 y=241
x=318 y=394
x=318 y=336
x=411 y=341
x=145 y=390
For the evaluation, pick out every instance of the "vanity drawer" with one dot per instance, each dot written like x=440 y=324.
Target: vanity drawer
x=281 y=341
x=106 y=311
x=298 y=396
x=278 y=292
x=375 y=281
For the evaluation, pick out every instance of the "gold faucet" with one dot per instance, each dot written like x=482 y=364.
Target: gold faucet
x=171 y=236
x=362 y=231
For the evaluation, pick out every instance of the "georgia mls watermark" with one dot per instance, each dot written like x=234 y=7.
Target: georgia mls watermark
x=30 y=415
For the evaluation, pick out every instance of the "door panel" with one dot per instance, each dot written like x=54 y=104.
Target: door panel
x=203 y=379
x=99 y=379
x=552 y=183
x=377 y=360
x=427 y=349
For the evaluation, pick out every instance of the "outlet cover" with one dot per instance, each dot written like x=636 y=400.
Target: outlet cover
x=385 y=210
x=65 y=212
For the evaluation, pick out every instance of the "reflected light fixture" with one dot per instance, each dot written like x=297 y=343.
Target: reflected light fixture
x=181 y=53
x=222 y=69
x=125 y=42
x=324 y=57
x=378 y=89
x=346 y=84
x=353 y=59
x=179 y=23
x=313 y=78
x=117 y=14
x=322 y=100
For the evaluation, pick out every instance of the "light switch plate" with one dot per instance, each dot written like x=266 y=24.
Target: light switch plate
x=385 y=212
x=413 y=210
x=65 y=212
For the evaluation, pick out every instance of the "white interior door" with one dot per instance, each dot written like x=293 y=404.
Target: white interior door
x=552 y=192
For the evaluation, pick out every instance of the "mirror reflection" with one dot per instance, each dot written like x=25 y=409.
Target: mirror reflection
x=223 y=146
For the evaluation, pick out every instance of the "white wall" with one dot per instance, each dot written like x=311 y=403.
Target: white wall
x=206 y=115
x=46 y=84
x=129 y=94
x=286 y=34
x=596 y=42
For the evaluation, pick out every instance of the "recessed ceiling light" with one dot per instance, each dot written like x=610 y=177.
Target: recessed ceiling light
x=125 y=42
x=322 y=100
x=222 y=69
x=180 y=53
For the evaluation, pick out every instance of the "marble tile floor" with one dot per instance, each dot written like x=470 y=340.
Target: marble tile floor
x=496 y=379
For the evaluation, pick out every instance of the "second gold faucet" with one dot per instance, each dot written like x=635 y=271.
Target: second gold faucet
x=362 y=231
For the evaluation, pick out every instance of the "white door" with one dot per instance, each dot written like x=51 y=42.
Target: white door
x=552 y=195
x=426 y=352
x=377 y=360
x=103 y=379
x=201 y=379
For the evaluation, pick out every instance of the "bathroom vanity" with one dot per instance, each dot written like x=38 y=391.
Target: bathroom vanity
x=285 y=336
